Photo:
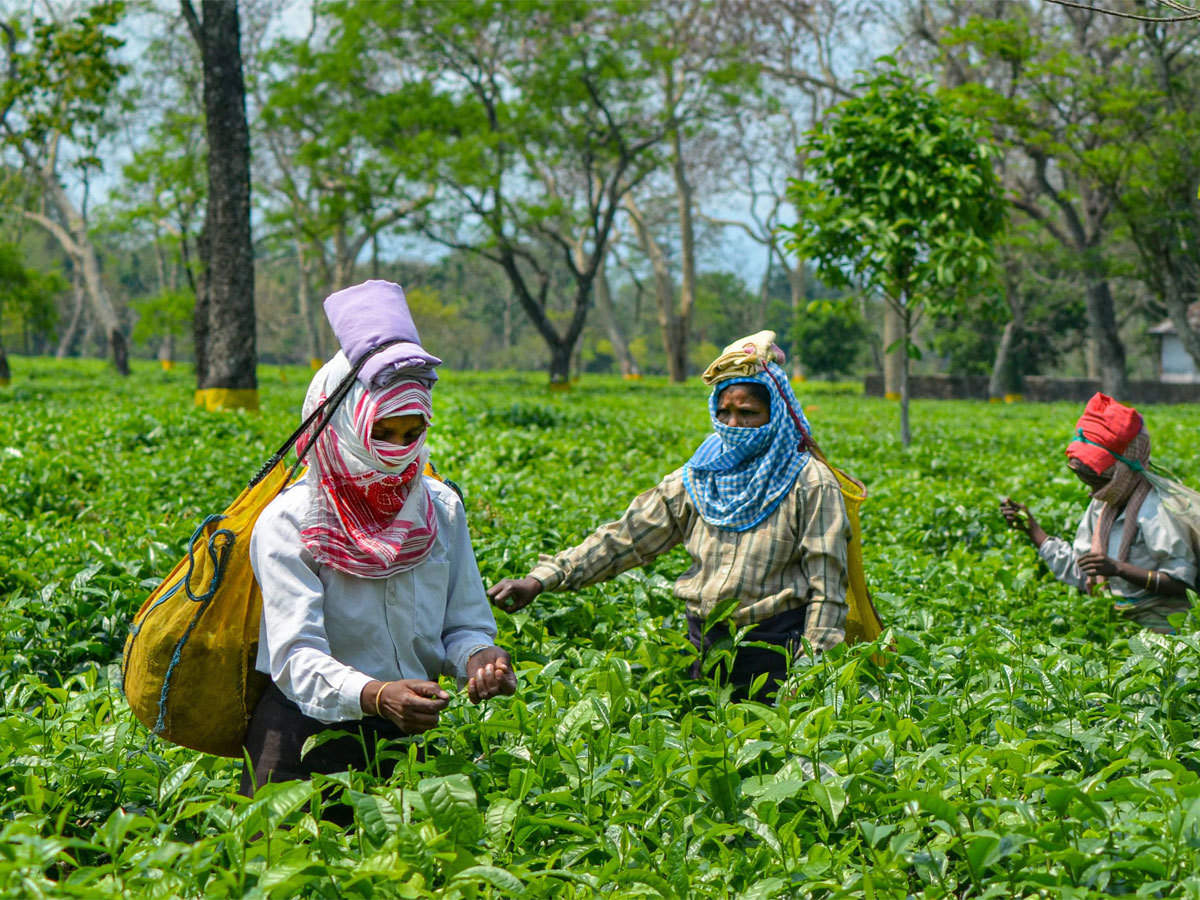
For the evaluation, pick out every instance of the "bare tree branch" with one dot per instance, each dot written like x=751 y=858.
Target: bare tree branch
x=193 y=21
x=1189 y=13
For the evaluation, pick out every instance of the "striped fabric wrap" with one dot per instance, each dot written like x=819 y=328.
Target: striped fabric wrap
x=738 y=476
x=372 y=515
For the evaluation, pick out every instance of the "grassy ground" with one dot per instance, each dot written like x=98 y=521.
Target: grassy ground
x=1018 y=740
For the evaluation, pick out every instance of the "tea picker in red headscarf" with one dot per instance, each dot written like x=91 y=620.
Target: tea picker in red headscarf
x=370 y=586
x=1139 y=533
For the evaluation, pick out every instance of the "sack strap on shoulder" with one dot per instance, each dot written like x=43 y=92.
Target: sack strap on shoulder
x=326 y=409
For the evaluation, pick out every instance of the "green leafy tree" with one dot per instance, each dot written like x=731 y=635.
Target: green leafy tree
x=26 y=295
x=530 y=118
x=700 y=73
x=1155 y=179
x=1065 y=93
x=165 y=317
x=59 y=88
x=902 y=201
x=829 y=337
x=327 y=192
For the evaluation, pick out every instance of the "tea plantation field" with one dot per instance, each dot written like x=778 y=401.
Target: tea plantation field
x=1015 y=740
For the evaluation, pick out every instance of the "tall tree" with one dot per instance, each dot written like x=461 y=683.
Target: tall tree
x=327 y=194
x=808 y=52
x=1053 y=85
x=699 y=73
x=917 y=229
x=1155 y=181
x=529 y=117
x=224 y=327
x=60 y=80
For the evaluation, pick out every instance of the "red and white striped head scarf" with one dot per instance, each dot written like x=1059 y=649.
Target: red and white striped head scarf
x=372 y=515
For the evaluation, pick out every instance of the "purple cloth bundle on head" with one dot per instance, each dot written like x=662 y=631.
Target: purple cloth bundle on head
x=373 y=313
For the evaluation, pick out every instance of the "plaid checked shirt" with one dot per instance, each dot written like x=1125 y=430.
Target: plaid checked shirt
x=796 y=556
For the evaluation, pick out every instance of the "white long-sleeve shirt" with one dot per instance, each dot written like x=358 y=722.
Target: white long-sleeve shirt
x=1159 y=544
x=325 y=634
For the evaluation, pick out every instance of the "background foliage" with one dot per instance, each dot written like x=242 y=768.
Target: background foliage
x=458 y=155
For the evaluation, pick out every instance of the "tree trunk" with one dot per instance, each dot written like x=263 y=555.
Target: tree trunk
x=687 y=253
x=306 y=310
x=1000 y=384
x=166 y=351
x=560 y=364
x=608 y=315
x=506 y=326
x=664 y=293
x=200 y=315
x=67 y=341
x=228 y=258
x=1006 y=376
x=1178 y=292
x=764 y=291
x=1110 y=352
x=76 y=241
x=895 y=364
x=561 y=346
x=905 y=318
x=798 y=287
x=5 y=372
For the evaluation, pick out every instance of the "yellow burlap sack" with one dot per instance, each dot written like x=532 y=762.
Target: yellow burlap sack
x=189 y=659
x=862 y=619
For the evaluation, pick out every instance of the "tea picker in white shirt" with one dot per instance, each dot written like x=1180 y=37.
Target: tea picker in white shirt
x=370 y=586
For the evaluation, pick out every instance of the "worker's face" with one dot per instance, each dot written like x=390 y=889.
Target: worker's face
x=398 y=430
x=1087 y=475
x=737 y=407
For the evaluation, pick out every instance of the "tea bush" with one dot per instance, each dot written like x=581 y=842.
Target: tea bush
x=1013 y=739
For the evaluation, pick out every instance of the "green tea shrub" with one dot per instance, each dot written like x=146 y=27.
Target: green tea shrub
x=1013 y=739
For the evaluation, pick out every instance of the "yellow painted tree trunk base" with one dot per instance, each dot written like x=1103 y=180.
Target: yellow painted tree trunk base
x=213 y=399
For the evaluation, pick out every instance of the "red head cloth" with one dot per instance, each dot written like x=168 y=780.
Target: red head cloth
x=1109 y=424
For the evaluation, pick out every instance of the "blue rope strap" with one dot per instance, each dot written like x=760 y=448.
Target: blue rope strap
x=218 y=553
x=219 y=545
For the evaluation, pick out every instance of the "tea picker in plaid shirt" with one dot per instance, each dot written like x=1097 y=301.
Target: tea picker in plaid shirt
x=761 y=517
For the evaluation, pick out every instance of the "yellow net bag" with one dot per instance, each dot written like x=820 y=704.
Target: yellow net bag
x=862 y=619
x=189 y=659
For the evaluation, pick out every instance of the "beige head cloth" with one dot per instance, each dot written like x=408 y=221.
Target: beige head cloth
x=746 y=356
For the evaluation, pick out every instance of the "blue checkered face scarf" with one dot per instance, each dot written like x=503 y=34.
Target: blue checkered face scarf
x=739 y=475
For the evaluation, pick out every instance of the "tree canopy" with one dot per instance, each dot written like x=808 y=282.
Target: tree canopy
x=901 y=200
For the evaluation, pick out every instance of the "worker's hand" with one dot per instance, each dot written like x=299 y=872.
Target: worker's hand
x=1017 y=515
x=1097 y=565
x=490 y=674
x=512 y=594
x=411 y=703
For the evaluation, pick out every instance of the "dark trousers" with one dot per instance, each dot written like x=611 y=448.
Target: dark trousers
x=276 y=737
x=784 y=630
